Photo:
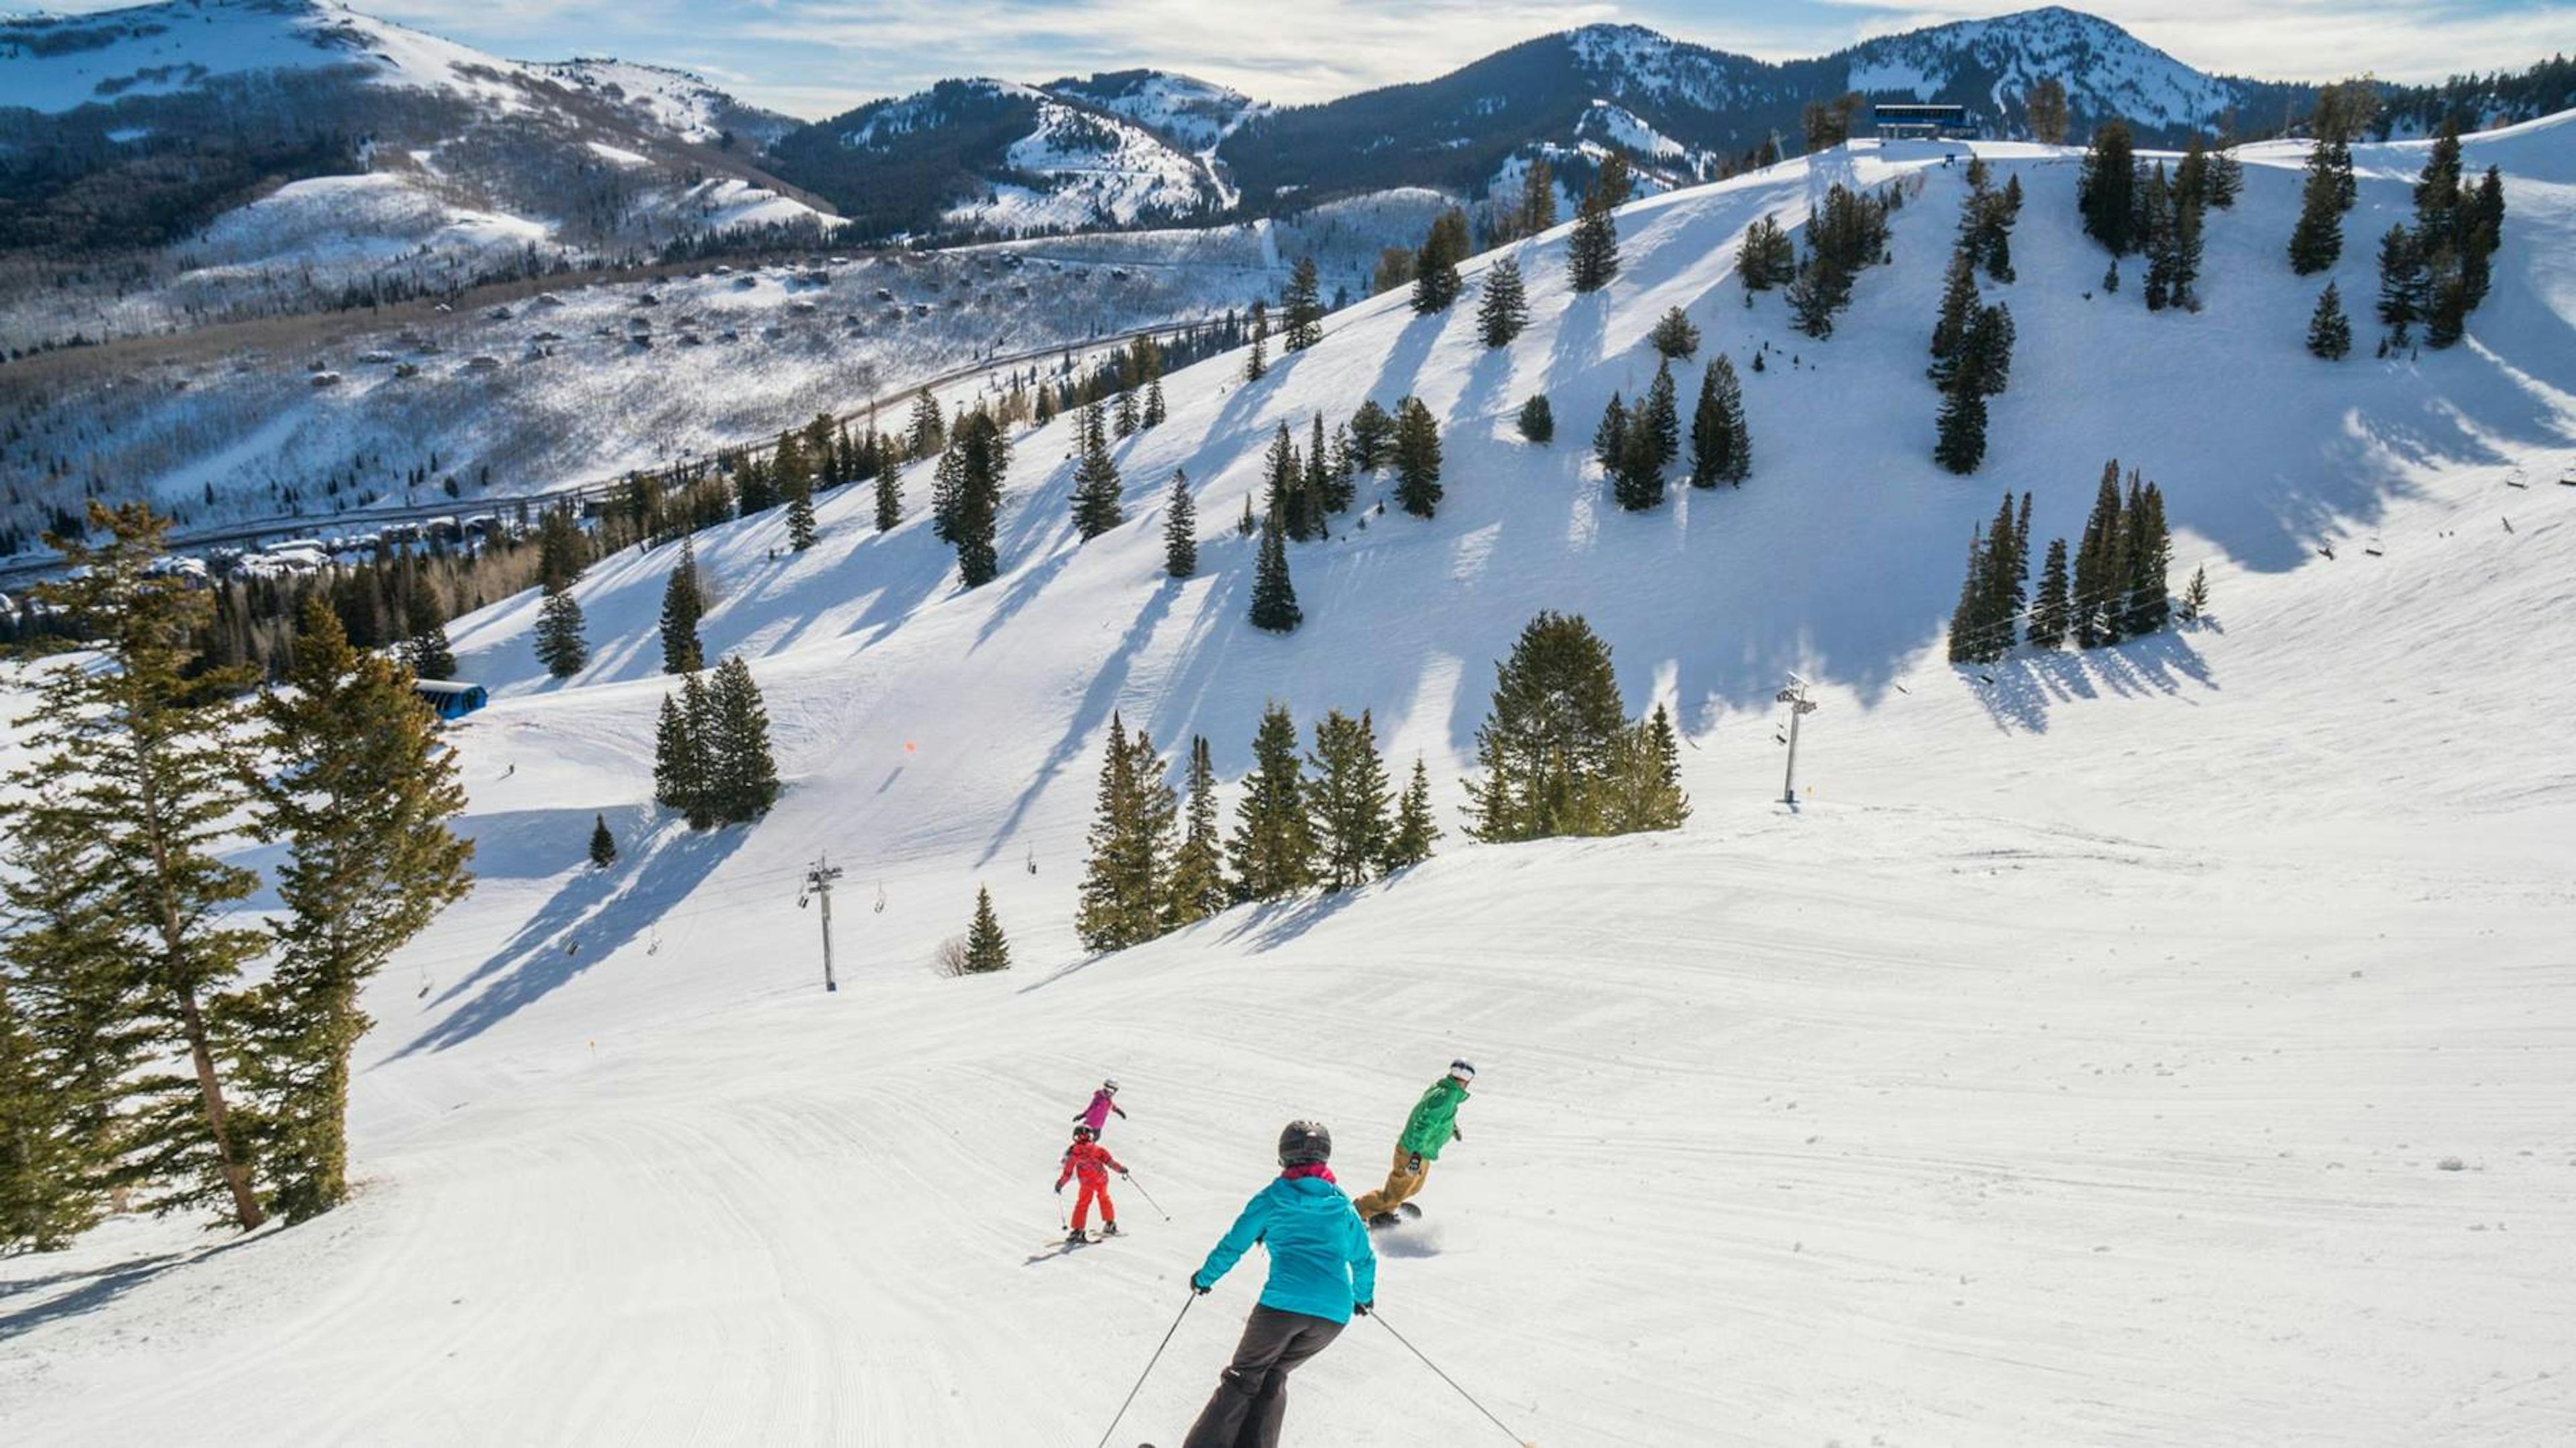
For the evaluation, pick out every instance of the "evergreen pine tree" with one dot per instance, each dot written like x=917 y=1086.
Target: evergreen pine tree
x=2101 y=567
x=1301 y=308
x=2195 y=596
x=1821 y=289
x=142 y=761
x=72 y=1025
x=1592 y=252
x=2106 y=190
x=1417 y=459
x=2401 y=285
x=1961 y=442
x=1347 y=801
x=1283 y=487
x=742 y=776
x=1958 y=311
x=603 y=845
x=1273 y=849
x=1095 y=481
x=1122 y=896
x=1766 y=258
x=2048 y=613
x=1124 y=415
x=2226 y=179
x=562 y=553
x=1642 y=789
x=361 y=791
x=2149 y=551
x=560 y=645
x=1198 y=888
x=1180 y=529
x=1674 y=337
x=1504 y=309
x=1660 y=416
x=889 y=490
x=987 y=948
x=1154 y=409
x=969 y=497
x=801 y=532
x=1372 y=436
x=682 y=768
x=927 y=433
x=1256 y=363
x=1435 y=266
x=425 y=646
x=1537 y=210
x=1610 y=437
x=1274 y=597
x=1721 y=447
x=1969 y=625
x=1409 y=843
x=1538 y=420
x=1320 y=487
x=2318 y=238
x=1546 y=745
x=2329 y=330
x=682 y=606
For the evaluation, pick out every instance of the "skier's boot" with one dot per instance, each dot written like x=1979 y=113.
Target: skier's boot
x=1075 y=1238
x=1109 y=1229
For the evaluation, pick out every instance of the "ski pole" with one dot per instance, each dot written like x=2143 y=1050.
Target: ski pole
x=1148 y=1196
x=1453 y=1382
x=1149 y=1369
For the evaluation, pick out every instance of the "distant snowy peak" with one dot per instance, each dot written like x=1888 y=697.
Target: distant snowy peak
x=678 y=101
x=2106 y=70
x=1195 y=113
x=1630 y=61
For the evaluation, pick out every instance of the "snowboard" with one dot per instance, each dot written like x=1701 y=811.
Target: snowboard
x=1404 y=1212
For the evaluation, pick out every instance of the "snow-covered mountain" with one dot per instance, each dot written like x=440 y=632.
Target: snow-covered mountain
x=143 y=130
x=2156 y=1044
x=994 y=157
x=1991 y=65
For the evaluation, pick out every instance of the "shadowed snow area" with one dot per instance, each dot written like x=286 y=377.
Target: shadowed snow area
x=2078 y=1064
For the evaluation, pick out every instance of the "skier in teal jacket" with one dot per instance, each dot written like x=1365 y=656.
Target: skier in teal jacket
x=1321 y=1271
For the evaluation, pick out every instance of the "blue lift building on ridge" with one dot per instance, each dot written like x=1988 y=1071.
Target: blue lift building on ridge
x=449 y=699
x=1920 y=121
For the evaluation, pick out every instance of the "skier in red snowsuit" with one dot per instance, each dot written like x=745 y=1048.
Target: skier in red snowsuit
x=1091 y=1161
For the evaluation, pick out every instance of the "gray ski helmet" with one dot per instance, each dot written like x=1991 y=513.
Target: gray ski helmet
x=1109 y=1086
x=1305 y=1143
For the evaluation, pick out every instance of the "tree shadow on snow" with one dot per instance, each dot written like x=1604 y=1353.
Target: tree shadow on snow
x=97 y=1287
x=2018 y=692
x=1089 y=715
x=595 y=914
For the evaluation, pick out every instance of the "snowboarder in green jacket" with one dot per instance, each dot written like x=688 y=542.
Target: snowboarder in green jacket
x=1433 y=1125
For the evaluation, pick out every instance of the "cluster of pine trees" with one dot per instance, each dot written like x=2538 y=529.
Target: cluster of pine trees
x=966 y=492
x=2115 y=587
x=1846 y=234
x=2134 y=208
x=1157 y=863
x=1300 y=493
x=1557 y=752
x=711 y=757
x=2438 y=273
x=1972 y=340
x=136 y=1061
x=1634 y=445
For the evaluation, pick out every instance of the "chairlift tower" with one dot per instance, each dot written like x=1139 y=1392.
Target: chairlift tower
x=1795 y=696
x=818 y=882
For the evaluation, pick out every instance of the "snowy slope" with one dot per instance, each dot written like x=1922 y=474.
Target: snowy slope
x=55 y=63
x=2076 y=1066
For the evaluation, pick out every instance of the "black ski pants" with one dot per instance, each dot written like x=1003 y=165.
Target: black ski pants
x=1251 y=1398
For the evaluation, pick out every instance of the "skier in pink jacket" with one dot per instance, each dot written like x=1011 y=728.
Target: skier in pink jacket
x=1096 y=1115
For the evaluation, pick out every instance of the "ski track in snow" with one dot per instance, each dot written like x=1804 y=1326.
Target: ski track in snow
x=2074 y=1066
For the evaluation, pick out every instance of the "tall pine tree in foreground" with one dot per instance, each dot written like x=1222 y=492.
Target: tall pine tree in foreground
x=1346 y=803
x=987 y=948
x=1504 y=309
x=1273 y=849
x=1180 y=529
x=141 y=759
x=683 y=604
x=362 y=793
x=1274 y=597
x=1197 y=888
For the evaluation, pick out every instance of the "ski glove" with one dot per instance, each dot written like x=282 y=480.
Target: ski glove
x=1456 y=1135
x=1364 y=1308
x=1059 y=1189
x=1413 y=1165
x=1201 y=1288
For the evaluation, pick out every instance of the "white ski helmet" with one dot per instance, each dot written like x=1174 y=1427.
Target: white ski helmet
x=1109 y=1086
x=1462 y=1071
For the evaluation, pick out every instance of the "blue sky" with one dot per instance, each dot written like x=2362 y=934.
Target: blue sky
x=817 y=57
